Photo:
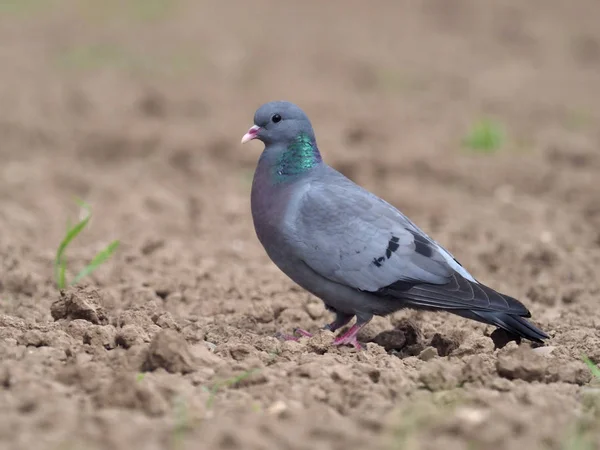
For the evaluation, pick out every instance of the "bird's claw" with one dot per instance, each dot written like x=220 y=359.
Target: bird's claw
x=343 y=340
x=302 y=333
x=348 y=338
x=297 y=334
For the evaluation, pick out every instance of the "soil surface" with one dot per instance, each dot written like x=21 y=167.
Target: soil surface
x=138 y=108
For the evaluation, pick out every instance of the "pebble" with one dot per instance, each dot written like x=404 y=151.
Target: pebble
x=428 y=353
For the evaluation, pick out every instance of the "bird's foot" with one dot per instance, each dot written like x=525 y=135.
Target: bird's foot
x=302 y=333
x=349 y=337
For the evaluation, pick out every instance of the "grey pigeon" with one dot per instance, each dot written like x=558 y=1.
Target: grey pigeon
x=353 y=250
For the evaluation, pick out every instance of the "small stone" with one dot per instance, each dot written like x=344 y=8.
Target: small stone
x=545 y=351
x=210 y=346
x=428 y=353
x=472 y=416
x=277 y=408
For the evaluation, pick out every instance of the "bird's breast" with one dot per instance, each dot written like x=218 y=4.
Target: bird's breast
x=269 y=204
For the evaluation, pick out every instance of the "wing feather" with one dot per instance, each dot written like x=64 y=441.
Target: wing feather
x=352 y=237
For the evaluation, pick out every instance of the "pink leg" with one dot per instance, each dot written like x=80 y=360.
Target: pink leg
x=302 y=333
x=340 y=321
x=349 y=337
x=297 y=331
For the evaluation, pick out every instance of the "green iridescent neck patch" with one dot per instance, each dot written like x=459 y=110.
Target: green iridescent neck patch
x=299 y=157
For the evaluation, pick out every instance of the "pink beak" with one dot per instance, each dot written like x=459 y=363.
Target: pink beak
x=251 y=134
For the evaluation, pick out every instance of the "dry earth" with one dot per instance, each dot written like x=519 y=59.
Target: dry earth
x=138 y=107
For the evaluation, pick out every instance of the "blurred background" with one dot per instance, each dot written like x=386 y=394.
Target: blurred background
x=151 y=94
x=478 y=119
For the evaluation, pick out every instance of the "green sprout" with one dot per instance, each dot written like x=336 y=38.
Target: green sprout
x=60 y=263
x=593 y=367
x=578 y=440
x=227 y=383
x=181 y=422
x=486 y=136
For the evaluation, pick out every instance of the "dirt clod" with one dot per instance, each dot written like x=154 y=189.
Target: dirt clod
x=522 y=364
x=124 y=391
x=391 y=339
x=444 y=345
x=100 y=335
x=168 y=350
x=79 y=303
x=130 y=335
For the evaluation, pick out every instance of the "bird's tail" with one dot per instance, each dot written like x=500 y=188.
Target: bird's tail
x=468 y=299
x=511 y=323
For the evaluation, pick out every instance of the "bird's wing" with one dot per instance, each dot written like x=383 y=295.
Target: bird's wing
x=352 y=237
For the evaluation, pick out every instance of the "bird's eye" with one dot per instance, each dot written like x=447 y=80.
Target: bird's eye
x=276 y=118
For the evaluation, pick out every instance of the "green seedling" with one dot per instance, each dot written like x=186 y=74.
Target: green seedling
x=486 y=136
x=227 y=383
x=60 y=263
x=593 y=367
x=578 y=438
x=181 y=422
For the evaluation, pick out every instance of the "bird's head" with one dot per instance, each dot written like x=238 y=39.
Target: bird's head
x=278 y=122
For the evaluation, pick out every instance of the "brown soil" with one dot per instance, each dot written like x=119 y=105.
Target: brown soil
x=138 y=108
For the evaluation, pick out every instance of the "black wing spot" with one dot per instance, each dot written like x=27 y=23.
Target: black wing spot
x=378 y=261
x=392 y=247
x=422 y=245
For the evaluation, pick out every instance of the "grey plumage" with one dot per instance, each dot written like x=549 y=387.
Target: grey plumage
x=350 y=248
